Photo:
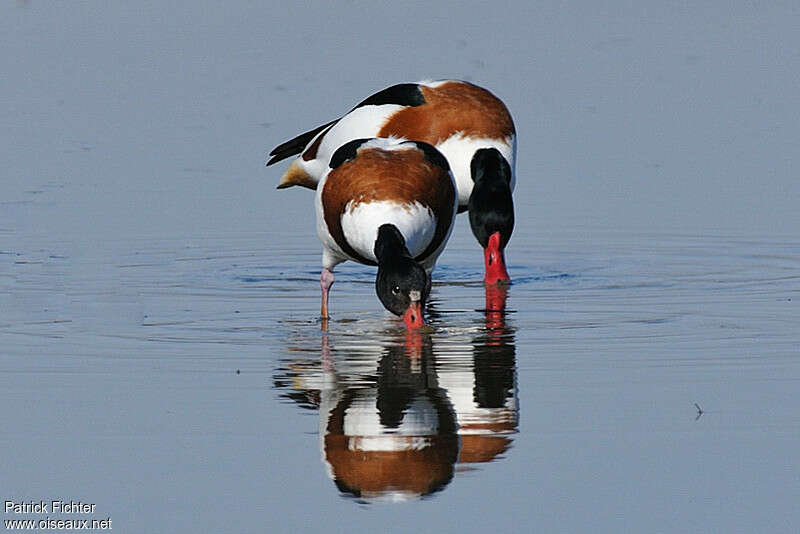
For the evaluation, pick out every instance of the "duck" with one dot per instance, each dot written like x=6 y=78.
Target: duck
x=468 y=124
x=389 y=203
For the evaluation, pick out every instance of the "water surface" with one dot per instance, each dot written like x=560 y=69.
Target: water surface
x=161 y=355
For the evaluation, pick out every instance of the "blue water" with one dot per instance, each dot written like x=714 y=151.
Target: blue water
x=160 y=351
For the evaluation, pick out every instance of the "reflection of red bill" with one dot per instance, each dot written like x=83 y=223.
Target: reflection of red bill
x=413 y=344
x=494 y=261
x=496 y=295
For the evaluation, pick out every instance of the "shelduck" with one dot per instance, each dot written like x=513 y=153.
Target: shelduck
x=471 y=127
x=390 y=203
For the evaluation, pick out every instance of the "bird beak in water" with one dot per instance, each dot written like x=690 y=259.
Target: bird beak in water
x=413 y=315
x=495 y=261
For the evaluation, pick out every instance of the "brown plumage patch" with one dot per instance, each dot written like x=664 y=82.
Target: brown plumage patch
x=416 y=470
x=402 y=176
x=482 y=442
x=451 y=108
x=479 y=449
x=364 y=472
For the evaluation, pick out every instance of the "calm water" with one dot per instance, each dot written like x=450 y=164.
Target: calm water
x=160 y=353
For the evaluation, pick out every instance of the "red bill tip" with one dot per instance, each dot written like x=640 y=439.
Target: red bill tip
x=495 y=261
x=413 y=316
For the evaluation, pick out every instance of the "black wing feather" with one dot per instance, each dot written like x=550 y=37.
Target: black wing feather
x=294 y=146
x=403 y=94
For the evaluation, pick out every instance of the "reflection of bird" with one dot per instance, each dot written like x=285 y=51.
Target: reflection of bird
x=388 y=203
x=395 y=414
x=468 y=124
x=395 y=438
x=484 y=396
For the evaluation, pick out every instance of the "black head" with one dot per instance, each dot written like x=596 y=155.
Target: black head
x=401 y=283
x=490 y=165
x=491 y=207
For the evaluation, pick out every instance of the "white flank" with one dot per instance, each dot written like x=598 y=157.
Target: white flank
x=459 y=150
x=415 y=221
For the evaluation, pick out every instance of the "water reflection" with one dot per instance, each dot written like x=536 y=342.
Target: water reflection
x=399 y=412
x=485 y=396
x=394 y=438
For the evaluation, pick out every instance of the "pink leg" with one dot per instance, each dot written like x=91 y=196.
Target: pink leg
x=325 y=283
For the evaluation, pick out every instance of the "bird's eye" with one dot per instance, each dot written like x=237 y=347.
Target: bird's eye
x=395 y=290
